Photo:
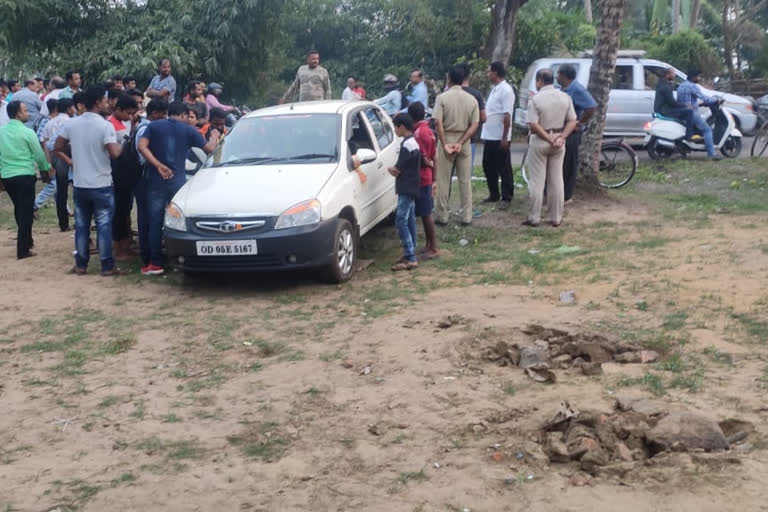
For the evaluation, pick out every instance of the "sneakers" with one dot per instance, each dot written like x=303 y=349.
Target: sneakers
x=504 y=205
x=152 y=270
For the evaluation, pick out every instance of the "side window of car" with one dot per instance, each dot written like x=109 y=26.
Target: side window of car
x=624 y=79
x=652 y=76
x=555 y=67
x=381 y=129
x=358 y=136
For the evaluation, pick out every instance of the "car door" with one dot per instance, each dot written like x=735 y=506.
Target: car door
x=383 y=198
x=625 y=113
x=359 y=137
x=652 y=73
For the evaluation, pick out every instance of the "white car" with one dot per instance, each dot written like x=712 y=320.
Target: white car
x=280 y=191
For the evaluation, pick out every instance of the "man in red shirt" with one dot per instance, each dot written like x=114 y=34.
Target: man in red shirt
x=425 y=200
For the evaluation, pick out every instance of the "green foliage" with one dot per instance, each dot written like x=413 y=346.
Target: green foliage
x=544 y=31
x=686 y=50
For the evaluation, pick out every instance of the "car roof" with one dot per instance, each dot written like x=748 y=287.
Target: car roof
x=310 y=107
x=582 y=60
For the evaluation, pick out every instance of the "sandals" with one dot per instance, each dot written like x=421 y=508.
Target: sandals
x=404 y=265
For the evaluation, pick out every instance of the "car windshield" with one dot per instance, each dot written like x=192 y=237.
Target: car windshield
x=288 y=139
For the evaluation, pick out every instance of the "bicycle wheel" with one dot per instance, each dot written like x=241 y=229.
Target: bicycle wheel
x=760 y=144
x=618 y=163
x=523 y=172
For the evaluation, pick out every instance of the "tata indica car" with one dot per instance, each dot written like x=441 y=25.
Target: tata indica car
x=280 y=192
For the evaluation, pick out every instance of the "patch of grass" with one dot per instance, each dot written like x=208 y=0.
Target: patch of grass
x=692 y=382
x=255 y=367
x=139 y=409
x=754 y=326
x=652 y=381
x=267 y=349
x=109 y=401
x=674 y=321
x=653 y=242
x=673 y=363
x=293 y=355
x=509 y=389
x=125 y=478
x=171 y=418
x=411 y=476
x=399 y=438
x=719 y=357
x=331 y=356
x=312 y=392
x=262 y=441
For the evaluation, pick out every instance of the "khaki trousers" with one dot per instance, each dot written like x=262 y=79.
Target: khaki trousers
x=445 y=162
x=545 y=167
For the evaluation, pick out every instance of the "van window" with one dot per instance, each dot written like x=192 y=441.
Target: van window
x=381 y=129
x=623 y=79
x=557 y=66
x=655 y=73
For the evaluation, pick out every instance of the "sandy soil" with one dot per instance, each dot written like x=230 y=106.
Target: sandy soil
x=247 y=393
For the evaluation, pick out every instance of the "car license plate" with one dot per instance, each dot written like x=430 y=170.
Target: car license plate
x=227 y=248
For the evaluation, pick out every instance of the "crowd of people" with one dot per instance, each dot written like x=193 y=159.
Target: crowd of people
x=116 y=145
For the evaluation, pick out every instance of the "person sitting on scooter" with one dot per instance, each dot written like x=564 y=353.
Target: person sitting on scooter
x=392 y=101
x=666 y=104
x=689 y=94
x=212 y=99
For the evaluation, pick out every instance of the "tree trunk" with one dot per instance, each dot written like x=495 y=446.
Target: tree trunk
x=695 y=9
x=675 y=16
x=588 y=11
x=728 y=39
x=600 y=83
x=501 y=38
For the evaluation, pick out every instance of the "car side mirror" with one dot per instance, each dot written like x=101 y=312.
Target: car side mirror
x=365 y=156
x=195 y=161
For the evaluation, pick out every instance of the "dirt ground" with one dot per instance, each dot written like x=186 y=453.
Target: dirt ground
x=263 y=393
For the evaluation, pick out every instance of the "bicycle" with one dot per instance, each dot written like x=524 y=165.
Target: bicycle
x=618 y=163
x=760 y=144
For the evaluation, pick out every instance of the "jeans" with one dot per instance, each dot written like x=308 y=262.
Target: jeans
x=90 y=203
x=62 y=191
x=21 y=190
x=706 y=131
x=48 y=190
x=497 y=163
x=405 y=220
x=156 y=196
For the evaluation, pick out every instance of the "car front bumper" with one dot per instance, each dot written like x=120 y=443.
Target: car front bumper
x=283 y=249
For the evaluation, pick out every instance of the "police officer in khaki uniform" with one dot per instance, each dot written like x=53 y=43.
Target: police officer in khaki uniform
x=457 y=117
x=551 y=118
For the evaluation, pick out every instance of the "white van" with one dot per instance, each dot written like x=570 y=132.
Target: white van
x=634 y=89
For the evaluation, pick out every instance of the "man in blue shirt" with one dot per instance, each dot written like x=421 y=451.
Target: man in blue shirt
x=163 y=85
x=419 y=92
x=689 y=94
x=165 y=144
x=584 y=105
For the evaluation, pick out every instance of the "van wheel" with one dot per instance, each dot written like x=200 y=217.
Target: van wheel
x=344 y=253
x=657 y=151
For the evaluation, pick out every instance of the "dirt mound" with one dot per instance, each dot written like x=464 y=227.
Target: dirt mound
x=634 y=432
x=555 y=348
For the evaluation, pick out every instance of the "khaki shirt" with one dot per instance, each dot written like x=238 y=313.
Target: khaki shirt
x=551 y=108
x=312 y=85
x=456 y=109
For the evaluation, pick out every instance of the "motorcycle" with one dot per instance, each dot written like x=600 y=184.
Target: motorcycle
x=665 y=135
x=236 y=114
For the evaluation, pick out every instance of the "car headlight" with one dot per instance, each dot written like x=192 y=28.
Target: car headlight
x=303 y=214
x=174 y=218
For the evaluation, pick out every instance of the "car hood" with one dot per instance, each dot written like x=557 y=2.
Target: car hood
x=252 y=190
x=728 y=97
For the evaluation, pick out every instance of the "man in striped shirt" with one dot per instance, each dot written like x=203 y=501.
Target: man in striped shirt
x=163 y=85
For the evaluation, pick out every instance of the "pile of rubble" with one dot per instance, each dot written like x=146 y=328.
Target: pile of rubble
x=554 y=348
x=637 y=430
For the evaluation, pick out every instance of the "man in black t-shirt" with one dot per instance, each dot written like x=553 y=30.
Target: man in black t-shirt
x=407 y=179
x=480 y=103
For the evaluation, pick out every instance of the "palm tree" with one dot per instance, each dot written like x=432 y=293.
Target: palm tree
x=501 y=37
x=695 y=9
x=600 y=83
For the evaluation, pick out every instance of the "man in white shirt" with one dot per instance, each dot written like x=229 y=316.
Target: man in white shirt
x=59 y=84
x=93 y=142
x=349 y=93
x=496 y=136
x=3 y=112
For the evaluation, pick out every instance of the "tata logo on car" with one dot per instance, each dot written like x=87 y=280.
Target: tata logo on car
x=229 y=227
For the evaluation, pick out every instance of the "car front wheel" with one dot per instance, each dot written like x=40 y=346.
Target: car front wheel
x=342 y=266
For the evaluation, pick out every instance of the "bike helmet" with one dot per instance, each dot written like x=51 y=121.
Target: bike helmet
x=390 y=79
x=214 y=85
